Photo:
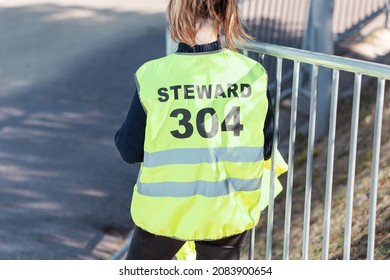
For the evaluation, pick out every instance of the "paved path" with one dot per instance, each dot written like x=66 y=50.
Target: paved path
x=66 y=80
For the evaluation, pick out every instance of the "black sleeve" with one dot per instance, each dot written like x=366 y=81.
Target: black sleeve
x=268 y=129
x=130 y=138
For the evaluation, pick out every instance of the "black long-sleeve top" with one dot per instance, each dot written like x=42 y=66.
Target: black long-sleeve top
x=129 y=139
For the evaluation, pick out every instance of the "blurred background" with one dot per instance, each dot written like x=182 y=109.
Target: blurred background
x=66 y=82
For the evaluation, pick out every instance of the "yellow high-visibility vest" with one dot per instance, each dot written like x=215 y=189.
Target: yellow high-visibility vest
x=203 y=161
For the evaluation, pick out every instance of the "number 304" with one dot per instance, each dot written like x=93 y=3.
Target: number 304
x=230 y=123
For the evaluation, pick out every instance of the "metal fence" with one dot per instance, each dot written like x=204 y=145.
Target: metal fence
x=317 y=61
x=350 y=16
x=278 y=22
x=284 y=22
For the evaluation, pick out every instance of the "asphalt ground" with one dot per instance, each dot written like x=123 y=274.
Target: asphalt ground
x=66 y=82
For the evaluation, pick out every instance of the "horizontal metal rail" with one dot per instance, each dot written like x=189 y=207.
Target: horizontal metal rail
x=325 y=60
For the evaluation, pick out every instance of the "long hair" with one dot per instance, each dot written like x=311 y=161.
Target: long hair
x=186 y=16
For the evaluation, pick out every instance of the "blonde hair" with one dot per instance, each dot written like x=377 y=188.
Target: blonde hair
x=186 y=16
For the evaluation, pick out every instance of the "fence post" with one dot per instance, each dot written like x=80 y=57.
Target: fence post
x=320 y=39
x=387 y=23
x=170 y=45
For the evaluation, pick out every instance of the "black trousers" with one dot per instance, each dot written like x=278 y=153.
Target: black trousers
x=147 y=246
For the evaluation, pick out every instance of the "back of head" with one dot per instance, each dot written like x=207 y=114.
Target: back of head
x=186 y=17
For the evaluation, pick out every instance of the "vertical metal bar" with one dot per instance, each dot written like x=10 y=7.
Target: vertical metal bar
x=295 y=31
x=265 y=63
x=290 y=25
x=265 y=23
x=355 y=13
x=249 y=6
x=278 y=13
x=330 y=163
x=271 y=28
x=336 y=18
x=299 y=25
x=245 y=52
x=170 y=45
x=294 y=26
x=309 y=165
x=305 y=29
x=375 y=168
x=387 y=20
x=375 y=5
x=342 y=16
x=291 y=150
x=345 y=16
x=254 y=13
x=262 y=58
x=288 y=18
x=168 y=40
x=367 y=8
x=251 y=255
x=260 y=22
x=352 y=165
x=361 y=9
x=340 y=11
x=268 y=254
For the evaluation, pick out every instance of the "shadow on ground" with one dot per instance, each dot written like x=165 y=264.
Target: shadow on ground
x=63 y=186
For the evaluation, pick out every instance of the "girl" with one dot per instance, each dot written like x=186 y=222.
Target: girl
x=201 y=123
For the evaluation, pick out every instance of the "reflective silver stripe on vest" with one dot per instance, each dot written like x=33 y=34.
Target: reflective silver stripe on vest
x=208 y=189
x=199 y=155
